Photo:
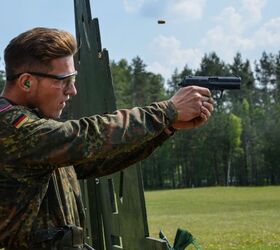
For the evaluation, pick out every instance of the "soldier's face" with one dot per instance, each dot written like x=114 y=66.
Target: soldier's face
x=50 y=95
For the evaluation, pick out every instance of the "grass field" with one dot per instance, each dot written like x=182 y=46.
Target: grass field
x=221 y=218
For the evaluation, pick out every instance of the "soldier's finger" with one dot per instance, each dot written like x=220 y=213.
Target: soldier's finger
x=203 y=91
x=204 y=117
x=207 y=99
x=208 y=105
x=205 y=112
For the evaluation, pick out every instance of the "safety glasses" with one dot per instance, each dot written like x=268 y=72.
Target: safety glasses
x=65 y=80
x=57 y=77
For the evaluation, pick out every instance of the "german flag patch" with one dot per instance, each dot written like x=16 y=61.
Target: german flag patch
x=20 y=120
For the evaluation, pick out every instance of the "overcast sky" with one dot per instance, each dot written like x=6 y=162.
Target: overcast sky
x=129 y=28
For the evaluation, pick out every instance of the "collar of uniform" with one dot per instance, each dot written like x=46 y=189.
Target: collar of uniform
x=5 y=101
x=5 y=104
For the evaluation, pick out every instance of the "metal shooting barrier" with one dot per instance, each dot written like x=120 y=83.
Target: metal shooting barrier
x=115 y=204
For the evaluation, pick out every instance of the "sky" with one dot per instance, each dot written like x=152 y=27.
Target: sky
x=129 y=28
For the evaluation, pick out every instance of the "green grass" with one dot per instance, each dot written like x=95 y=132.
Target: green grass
x=221 y=218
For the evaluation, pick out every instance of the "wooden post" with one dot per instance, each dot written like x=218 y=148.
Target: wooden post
x=115 y=204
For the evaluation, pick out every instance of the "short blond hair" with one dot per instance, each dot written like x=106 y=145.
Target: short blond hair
x=37 y=48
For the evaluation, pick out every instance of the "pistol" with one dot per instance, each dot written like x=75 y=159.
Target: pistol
x=213 y=83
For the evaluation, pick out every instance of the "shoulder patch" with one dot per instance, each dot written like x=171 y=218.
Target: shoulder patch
x=20 y=120
x=5 y=108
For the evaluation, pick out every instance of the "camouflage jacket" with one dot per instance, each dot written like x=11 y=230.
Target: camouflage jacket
x=42 y=159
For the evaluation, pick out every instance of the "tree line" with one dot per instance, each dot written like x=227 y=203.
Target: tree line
x=240 y=143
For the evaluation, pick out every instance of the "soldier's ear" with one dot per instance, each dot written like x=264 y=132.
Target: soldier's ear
x=24 y=82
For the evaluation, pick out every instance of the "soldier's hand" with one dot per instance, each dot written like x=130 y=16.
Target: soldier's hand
x=194 y=106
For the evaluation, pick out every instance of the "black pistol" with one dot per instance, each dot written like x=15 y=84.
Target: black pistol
x=216 y=83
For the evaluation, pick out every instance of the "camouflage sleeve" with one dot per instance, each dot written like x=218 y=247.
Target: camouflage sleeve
x=50 y=144
x=109 y=165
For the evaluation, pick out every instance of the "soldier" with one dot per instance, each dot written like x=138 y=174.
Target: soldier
x=42 y=158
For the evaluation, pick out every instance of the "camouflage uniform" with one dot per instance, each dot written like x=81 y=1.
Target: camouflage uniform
x=42 y=159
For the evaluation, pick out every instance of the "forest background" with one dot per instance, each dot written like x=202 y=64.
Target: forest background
x=239 y=145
